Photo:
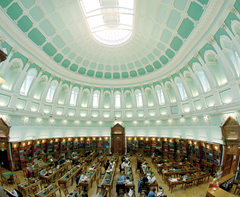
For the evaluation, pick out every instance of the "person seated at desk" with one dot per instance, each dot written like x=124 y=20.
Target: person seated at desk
x=78 y=162
x=152 y=193
x=123 y=178
x=42 y=172
x=139 y=163
x=107 y=165
x=72 y=155
x=153 y=155
x=79 y=179
x=125 y=164
x=61 y=161
x=123 y=158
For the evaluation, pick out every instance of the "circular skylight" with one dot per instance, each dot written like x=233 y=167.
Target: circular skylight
x=109 y=21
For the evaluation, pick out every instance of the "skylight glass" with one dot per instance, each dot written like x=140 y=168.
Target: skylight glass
x=110 y=21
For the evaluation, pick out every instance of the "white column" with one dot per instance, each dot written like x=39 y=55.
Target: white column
x=167 y=100
x=123 y=102
x=67 y=100
x=90 y=104
x=79 y=101
x=6 y=63
x=145 y=104
x=56 y=96
x=134 y=102
x=156 y=104
x=101 y=103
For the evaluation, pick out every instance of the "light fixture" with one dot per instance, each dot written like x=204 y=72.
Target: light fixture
x=2 y=80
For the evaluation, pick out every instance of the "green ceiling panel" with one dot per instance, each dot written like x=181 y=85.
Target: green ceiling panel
x=161 y=46
x=237 y=6
x=141 y=71
x=24 y=24
x=57 y=21
x=115 y=68
x=133 y=73
x=131 y=66
x=85 y=63
x=156 y=52
x=100 y=67
x=74 y=67
x=166 y=35
x=123 y=67
x=99 y=74
x=108 y=68
x=78 y=60
x=149 y=68
x=66 y=63
x=164 y=59
x=138 y=64
x=218 y=35
x=66 y=50
x=48 y=6
x=47 y=27
x=144 y=60
x=5 y=3
x=57 y=40
x=162 y=13
x=156 y=31
x=151 y=57
x=186 y=28
x=36 y=13
x=82 y=70
x=231 y=17
x=7 y=47
x=205 y=2
x=157 y=64
x=125 y=75
x=116 y=75
x=93 y=65
x=49 y=49
x=36 y=36
x=67 y=36
x=72 y=55
x=180 y=5
x=14 y=11
x=28 y=3
x=195 y=11
x=176 y=43
x=90 y=73
x=58 y=58
x=107 y=75
x=173 y=19
x=170 y=53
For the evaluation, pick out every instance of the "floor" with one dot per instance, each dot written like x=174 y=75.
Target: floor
x=196 y=191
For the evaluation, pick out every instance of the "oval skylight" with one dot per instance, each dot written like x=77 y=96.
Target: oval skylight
x=110 y=21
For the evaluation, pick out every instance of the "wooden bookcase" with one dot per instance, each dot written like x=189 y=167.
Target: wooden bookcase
x=129 y=145
x=183 y=148
x=135 y=147
x=171 y=148
x=177 y=149
x=50 y=147
x=147 y=147
x=75 y=144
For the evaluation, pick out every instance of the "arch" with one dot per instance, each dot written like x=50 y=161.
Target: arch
x=73 y=97
x=201 y=77
x=117 y=99
x=216 y=67
x=160 y=95
x=96 y=95
x=181 y=88
x=139 y=99
x=40 y=87
x=27 y=82
x=12 y=74
x=149 y=96
x=85 y=98
x=236 y=29
x=170 y=91
x=51 y=91
x=191 y=83
x=107 y=100
x=128 y=99
x=63 y=94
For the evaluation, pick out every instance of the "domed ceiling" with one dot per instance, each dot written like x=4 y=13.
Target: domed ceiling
x=163 y=33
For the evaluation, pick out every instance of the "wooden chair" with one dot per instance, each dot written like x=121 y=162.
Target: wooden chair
x=34 y=189
x=65 y=191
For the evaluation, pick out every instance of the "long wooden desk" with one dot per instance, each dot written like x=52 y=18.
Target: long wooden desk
x=219 y=192
x=69 y=175
x=26 y=186
x=52 y=190
x=90 y=175
x=90 y=157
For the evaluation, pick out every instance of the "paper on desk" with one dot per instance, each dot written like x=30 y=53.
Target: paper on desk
x=174 y=180
x=130 y=193
x=159 y=193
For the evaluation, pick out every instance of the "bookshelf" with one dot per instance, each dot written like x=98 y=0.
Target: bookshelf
x=15 y=156
x=37 y=149
x=153 y=145
x=63 y=146
x=25 y=153
x=82 y=145
x=135 y=147
x=69 y=144
x=190 y=151
x=94 y=144
x=147 y=147
x=129 y=145
x=177 y=149
x=76 y=144
x=171 y=148
x=183 y=148
x=165 y=148
x=159 y=143
x=50 y=147
x=56 y=145
x=217 y=156
x=88 y=144
x=43 y=146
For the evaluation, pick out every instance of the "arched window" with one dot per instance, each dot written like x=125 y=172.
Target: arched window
x=139 y=98
x=237 y=66
x=160 y=95
x=96 y=99
x=73 y=98
x=181 y=89
x=117 y=100
x=202 y=78
x=51 y=91
x=27 y=83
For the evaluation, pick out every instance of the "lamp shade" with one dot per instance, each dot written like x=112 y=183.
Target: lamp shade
x=2 y=80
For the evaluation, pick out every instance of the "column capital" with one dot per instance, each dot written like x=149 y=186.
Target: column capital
x=82 y=85
x=212 y=41
x=102 y=88
x=29 y=61
x=71 y=84
x=233 y=10
x=112 y=89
